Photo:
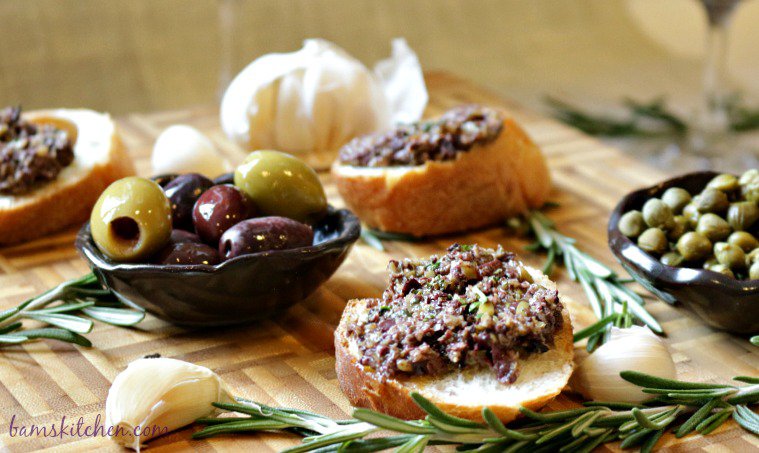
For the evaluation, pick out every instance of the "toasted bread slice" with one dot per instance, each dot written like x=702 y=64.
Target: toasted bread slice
x=99 y=159
x=461 y=393
x=480 y=187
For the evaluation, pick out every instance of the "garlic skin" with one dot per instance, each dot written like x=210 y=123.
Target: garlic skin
x=184 y=149
x=637 y=349
x=164 y=393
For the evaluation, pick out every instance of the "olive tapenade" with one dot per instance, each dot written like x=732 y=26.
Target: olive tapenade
x=458 y=130
x=30 y=154
x=471 y=307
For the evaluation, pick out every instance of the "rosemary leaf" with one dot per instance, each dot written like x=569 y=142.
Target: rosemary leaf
x=64 y=321
x=595 y=328
x=697 y=417
x=647 y=380
x=10 y=328
x=66 y=307
x=746 y=418
x=755 y=340
x=435 y=412
x=371 y=240
x=57 y=334
x=115 y=316
x=12 y=339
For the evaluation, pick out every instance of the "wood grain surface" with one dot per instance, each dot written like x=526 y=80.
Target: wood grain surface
x=288 y=360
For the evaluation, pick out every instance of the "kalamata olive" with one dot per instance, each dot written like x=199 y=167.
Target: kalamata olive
x=631 y=224
x=264 y=233
x=182 y=193
x=164 y=179
x=226 y=178
x=282 y=185
x=188 y=253
x=182 y=236
x=131 y=220
x=217 y=210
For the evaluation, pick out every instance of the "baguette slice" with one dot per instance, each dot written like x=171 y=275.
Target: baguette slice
x=481 y=187
x=99 y=159
x=461 y=393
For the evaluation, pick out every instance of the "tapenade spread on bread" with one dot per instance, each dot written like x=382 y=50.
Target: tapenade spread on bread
x=414 y=144
x=471 y=307
x=30 y=154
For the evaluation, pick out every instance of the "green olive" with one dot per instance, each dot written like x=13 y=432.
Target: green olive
x=714 y=227
x=676 y=198
x=680 y=226
x=131 y=220
x=673 y=259
x=694 y=246
x=749 y=182
x=282 y=185
x=746 y=241
x=742 y=215
x=753 y=272
x=631 y=224
x=724 y=182
x=653 y=240
x=657 y=214
x=711 y=200
x=692 y=214
x=730 y=255
x=720 y=268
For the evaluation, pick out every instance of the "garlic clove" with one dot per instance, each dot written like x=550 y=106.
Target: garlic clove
x=184 y=149
x=636 y=348
x=152 y=397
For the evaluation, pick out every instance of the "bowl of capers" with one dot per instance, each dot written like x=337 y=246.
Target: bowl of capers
x=694 y=239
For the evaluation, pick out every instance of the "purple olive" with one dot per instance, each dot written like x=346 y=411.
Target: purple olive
x=188 y=253
x=264 y=233
x=217 y=209
x=182 y=193
x=183 y=236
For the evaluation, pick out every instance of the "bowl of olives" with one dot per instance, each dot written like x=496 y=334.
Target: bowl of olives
x=201 y=252
x=693 y=240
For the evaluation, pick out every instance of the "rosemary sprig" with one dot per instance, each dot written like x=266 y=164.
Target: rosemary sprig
x=374 y=238
x=681 y=406
x=610 y=299
x=68 y=309
x=755 y=340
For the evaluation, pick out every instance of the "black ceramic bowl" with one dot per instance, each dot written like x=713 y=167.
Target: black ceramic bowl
x=721 y=301
x=242 y=289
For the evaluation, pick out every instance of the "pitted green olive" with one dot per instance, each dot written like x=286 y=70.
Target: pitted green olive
x=131 y=220
x=746 y=241
x=657 y=214
x=282 y=185
x=742 y=215
x=676 y=198
x=631 y=224
x=724 y=182
x=711 y=200
x=730 y=255
x=714 y=227
x=653 y=240
x=694 y=246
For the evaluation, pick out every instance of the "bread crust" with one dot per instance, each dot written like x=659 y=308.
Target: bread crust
x=48 y=211
x=365 y=388
x=481 y=187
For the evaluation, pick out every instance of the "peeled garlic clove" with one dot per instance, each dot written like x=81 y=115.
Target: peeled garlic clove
x=152 y=397
x=637 y=349
x=184 y=149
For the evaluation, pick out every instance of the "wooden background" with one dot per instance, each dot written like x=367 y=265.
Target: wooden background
x=288 y=360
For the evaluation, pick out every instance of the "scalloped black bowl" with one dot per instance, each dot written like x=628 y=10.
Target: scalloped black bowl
x=721 y=301
x=239 y=290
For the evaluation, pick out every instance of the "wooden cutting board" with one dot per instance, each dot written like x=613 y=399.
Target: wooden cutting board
x=288 y=360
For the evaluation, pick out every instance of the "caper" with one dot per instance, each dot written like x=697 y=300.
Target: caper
x=714 y=227
x=657 y=214
x=676 y=198
x=746 y=241
x=724 y=182
x=673 y=259
x=711 y=200
x=680 y=226
x=749 y=182
x=753 y=272
x=694 y=246
x=631 y=224
x=653 y=240
x=692 y=214
x=720 y=268
x=742 y=215
x=730 y=255
x=752 y=257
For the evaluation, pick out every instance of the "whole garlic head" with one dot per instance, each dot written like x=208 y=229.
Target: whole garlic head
x=311 y=102
x=154 y=396
x=184 y=149
x=635 y=348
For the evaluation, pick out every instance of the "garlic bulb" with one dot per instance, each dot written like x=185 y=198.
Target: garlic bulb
x=637 y=349
x=154 y=396
x=184 y=149
x=311 y=102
